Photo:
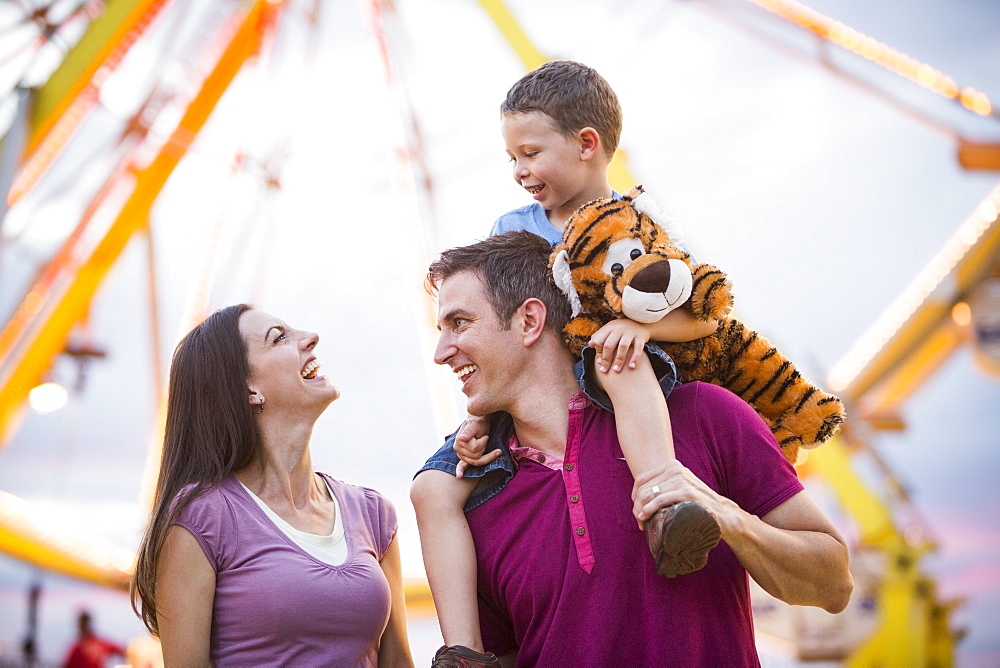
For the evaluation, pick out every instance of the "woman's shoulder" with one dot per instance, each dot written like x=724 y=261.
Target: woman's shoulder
x=377 y=512
x=360 y=493
x=209 y=503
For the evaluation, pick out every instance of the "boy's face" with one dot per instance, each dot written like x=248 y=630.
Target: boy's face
x=555 y=169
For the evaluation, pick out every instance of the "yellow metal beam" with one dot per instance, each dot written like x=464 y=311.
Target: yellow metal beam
x=62 y=104
x=52 y=316
x=913 y=627
x=916 y=334
x=620 y=177
x=525 y=49
x=28 y=536
x=57 y=313
x=832 y=462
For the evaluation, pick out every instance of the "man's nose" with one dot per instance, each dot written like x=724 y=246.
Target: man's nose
x=444 y=350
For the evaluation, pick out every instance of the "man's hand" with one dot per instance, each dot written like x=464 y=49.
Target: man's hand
x=793 y=552
x=470 y=442
x=673 y=483
x=617 y=342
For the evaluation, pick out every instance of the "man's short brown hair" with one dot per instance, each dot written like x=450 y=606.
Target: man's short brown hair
x=574 y=96
x=513 y=268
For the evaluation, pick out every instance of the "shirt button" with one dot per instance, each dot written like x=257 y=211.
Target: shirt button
x=580 y=531
x=541 y=459
x=574 y=498
x=569 y=467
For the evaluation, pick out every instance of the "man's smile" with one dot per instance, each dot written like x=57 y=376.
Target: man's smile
x=465 y=372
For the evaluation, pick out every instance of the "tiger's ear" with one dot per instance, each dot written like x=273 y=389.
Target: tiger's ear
x=644 y=203
x=563 y=278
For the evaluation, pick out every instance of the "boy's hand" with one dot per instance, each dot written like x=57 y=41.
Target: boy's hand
x=614 y=341
x=470 y=442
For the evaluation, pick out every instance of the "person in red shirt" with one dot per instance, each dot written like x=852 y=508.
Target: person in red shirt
x=90 y=651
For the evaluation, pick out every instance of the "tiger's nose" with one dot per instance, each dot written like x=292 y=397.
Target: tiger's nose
x=652 y=278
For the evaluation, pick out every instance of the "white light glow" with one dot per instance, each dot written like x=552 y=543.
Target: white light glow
x=48 y=398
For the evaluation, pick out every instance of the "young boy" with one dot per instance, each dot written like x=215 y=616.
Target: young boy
x=561 y=124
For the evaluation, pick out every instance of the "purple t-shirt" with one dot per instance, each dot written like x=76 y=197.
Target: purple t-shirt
x=571 y=588
x=277 y=605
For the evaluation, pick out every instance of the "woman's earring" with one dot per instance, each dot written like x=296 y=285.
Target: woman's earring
x=261 y=404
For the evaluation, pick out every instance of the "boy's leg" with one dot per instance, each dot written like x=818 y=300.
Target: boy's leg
x=449 y=554
x=641 y=417
x=680 y=536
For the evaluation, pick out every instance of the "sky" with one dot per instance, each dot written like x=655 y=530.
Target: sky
x=821 y=189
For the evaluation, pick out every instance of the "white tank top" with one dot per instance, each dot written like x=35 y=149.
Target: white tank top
x=330 y=549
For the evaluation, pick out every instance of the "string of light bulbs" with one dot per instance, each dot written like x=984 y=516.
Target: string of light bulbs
x=872 y=50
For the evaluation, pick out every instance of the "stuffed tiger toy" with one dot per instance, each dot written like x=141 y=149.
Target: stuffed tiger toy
x=617 y=259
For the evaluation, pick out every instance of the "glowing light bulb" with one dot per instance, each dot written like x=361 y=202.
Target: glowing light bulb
x=961 y=314
x=48 y=397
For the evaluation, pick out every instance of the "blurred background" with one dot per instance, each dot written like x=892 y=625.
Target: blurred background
x=160 y=159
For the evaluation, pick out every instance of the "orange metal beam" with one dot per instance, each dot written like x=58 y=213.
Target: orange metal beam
x=47 y=317
x=73 y=90
x=25 y=535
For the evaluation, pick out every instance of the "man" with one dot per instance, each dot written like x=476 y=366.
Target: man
x=564 y=576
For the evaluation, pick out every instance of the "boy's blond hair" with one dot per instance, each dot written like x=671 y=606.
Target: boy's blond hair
x=574 y=96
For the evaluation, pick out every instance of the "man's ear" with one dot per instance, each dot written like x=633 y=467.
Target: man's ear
x=590 y=143
x=531 y=321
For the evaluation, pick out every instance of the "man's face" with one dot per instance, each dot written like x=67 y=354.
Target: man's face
x=486 y=357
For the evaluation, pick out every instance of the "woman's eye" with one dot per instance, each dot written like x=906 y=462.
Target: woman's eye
x=636 y=253
x=617 y=269
x=280 y=337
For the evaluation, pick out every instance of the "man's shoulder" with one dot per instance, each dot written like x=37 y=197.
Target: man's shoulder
x=700 y=392
x=700 y=403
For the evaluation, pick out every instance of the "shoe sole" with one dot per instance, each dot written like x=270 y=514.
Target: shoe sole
x=688 y=535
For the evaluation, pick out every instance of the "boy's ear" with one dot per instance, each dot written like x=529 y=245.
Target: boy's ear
x=590 y=143
x=531 y=320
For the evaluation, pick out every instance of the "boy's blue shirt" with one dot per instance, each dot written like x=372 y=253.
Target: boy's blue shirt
x=494 y=476
x=530 y=218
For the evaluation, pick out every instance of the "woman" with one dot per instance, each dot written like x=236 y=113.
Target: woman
x=251 y=557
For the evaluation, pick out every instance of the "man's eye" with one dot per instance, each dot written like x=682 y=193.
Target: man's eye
x=617 y=269
x=532 y=154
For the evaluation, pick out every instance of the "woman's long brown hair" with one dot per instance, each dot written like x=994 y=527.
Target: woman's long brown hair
x=210 y=432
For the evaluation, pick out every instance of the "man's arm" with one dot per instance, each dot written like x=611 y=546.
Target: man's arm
x=793 y=552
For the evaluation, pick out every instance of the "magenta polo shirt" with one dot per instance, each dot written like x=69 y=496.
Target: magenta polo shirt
x=565 y=577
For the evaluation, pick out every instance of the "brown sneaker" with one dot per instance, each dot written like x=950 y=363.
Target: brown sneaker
x=458 y=656
x=681 y=536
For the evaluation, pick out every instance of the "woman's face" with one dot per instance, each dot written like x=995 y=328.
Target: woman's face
x=283 y=369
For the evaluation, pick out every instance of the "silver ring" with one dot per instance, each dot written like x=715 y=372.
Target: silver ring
x=655 y=489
